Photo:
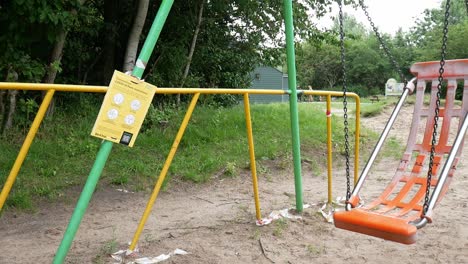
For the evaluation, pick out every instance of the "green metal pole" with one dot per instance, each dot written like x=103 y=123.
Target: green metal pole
x=106 y=146
x=83 y=201
x=153 y=36
x=296 y=142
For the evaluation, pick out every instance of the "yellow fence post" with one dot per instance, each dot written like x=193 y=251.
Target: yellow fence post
x=328 y=95
x=51 y=88
x=329 y=150
x=356 y=137
x=25 y=147
x=164 y=171
x=253 y=166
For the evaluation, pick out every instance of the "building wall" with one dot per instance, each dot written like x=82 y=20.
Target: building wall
x=268 y=78
x=285 y=87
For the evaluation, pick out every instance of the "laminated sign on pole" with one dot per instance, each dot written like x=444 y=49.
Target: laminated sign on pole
x=123 y=110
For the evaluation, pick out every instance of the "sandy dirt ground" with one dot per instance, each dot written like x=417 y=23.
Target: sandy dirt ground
x=215 y=222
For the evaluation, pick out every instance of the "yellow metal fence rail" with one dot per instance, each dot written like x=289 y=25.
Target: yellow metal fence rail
x=52 y=88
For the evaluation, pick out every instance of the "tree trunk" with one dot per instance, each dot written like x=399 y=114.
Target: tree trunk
x=111 y=8
x=52 y=69
x=91 y=67
x=192 y=47
x=134 y=36
x=9 y=112
x=55 y=57
x=2 y=105
x=55 y=60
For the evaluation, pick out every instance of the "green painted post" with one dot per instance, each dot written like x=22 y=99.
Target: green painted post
x=83 y=201
x=106 y=146
x=296 y=142
x=153 y=36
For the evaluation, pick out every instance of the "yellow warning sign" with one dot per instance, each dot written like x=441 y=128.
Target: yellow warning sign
x=123 y=110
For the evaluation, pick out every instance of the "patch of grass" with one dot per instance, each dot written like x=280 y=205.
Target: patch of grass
x=280 y=226
x=256 y=234
x=108 y=248
x=315 y=162
x=149 y=238
x=231 y=169
x=242 y=213
x=120 y=179
x=374 y=109
x=284 y=162
x=314 y=250
x=370 y=109
x=215 y=140
x=393 y=148
x=20 y=199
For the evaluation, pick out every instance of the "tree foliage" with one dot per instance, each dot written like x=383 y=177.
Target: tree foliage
x=233 y=38
x=319 y=63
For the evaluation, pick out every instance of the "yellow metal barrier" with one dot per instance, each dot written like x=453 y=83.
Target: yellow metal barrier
x=329 y=152
x=164 y=170
x=329 y=94
x=56 y=87
x=25 y=147
x=51 y=88
x=253 y=166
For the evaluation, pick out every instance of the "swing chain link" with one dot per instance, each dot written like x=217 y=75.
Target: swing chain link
x=345 y=102
x=382 y=43
x=437 y=108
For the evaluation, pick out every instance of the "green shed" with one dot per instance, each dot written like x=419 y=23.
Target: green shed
x=264 y=77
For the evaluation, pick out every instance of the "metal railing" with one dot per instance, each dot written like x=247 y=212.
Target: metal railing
x=51 y=88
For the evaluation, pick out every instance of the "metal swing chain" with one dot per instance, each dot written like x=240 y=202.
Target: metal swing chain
x=436 y=114
x=382 y=43
x=345 y=102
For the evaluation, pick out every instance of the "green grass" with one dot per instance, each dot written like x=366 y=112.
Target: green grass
x=279 y=227
x=109 y=247
x=370 y=109
x=373 y=109
x=215 y=143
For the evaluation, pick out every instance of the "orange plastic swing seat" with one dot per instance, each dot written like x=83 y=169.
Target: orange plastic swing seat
x=390 y=216
x=377 y=225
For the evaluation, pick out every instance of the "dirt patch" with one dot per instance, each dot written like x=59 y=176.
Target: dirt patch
x=215 y=222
